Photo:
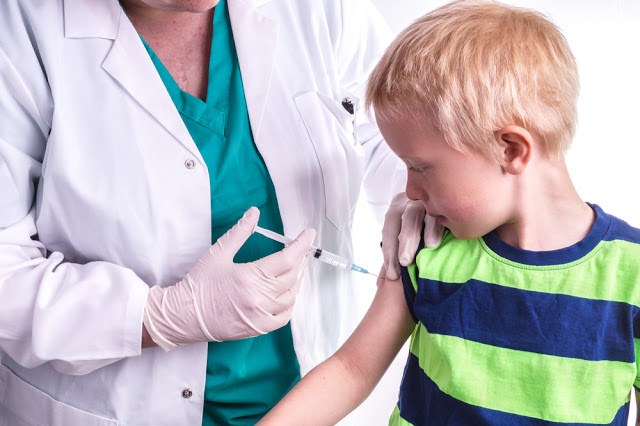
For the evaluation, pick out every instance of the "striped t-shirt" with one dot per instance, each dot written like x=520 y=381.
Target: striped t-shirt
x=507 y=336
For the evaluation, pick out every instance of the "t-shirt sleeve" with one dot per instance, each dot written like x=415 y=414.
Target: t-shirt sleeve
x=409 y=283
x=409 y=275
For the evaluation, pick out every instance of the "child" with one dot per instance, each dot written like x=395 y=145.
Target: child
x=527 y=311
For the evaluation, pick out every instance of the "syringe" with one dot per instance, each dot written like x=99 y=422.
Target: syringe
x=318 y=253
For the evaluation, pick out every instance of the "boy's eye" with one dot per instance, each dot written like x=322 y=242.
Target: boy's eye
x=416 y=169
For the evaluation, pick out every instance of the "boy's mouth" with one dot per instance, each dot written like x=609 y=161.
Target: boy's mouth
x=439 y=218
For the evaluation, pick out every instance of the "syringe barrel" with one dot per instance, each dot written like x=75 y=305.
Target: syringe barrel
x=333 y=259
x=322 y=255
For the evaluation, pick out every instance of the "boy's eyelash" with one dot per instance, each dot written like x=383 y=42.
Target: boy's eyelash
x=415 y=170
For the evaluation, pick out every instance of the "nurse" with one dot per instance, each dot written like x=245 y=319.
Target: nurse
x=133 y=135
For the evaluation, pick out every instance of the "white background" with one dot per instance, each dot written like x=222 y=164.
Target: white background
x=604 y=158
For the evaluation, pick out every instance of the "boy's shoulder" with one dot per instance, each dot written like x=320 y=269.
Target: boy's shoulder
x=451 y=256
x=620 y=249
x=448 y=251
x=620 y=230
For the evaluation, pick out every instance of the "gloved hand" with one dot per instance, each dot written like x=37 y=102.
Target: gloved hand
x=220 y=300
x=401 y=233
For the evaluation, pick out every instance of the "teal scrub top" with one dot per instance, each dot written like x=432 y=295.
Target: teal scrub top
x=245 y=378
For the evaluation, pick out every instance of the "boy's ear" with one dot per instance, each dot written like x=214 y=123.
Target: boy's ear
x=515 y=143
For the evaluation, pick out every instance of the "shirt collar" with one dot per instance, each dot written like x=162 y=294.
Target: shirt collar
x=562 y=256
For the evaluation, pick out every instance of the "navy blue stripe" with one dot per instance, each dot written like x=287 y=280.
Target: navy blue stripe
x=421 y=402
x=621 y=230
x=531 y=321
x=409 y=291
x=407 y=285
x=553 y=257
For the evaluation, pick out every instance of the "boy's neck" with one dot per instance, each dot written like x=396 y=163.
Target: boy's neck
x=547 y=212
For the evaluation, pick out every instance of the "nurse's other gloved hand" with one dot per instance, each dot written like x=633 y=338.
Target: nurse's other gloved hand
x=402 y=231
x=220 y=300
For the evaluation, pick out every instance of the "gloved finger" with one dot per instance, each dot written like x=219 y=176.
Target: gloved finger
x=285 y=288
x=282 y=318
x=269 y=322
x=228 y=245
x=286 y=300
x=294 y=277
x=381 y=276
x=275 y=305
x=271 y=295
x=297 y=276
x=432 y=232
x=288 y=258
x=390 y=231
x=411 y=233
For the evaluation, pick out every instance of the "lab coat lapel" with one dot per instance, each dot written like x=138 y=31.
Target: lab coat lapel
x=255 y=37
x=128 y=61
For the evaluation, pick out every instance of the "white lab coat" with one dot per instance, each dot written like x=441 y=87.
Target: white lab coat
x=98 y=202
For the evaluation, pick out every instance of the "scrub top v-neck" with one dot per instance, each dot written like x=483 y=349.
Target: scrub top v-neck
x=245 y=378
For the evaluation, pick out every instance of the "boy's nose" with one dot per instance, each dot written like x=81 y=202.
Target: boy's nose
x=414 y=190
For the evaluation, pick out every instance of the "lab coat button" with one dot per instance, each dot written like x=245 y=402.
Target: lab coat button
x=189 y=164
x=186 y=393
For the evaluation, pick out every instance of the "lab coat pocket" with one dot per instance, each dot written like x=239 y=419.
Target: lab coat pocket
x=331 y=130
x=22 y=404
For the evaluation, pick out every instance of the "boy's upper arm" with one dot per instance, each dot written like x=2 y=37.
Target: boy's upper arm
x=381 y=333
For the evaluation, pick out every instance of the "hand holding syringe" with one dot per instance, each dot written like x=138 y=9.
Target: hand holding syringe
x=322 y=255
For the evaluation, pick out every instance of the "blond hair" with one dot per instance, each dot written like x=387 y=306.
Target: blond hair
x=469 y=68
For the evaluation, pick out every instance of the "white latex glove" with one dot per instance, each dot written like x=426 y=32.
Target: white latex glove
x=220 y=300
x=401 y=233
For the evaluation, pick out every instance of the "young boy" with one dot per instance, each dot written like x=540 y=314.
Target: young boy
x=527 y=311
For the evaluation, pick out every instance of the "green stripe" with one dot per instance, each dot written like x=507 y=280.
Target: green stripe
x=458 y=261
x=528 y=384
x=396 y=420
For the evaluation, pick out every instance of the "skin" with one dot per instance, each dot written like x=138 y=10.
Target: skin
x=527 y=197
x=179 y=32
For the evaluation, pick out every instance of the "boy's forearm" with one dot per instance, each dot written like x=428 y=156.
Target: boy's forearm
x=323 y=397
